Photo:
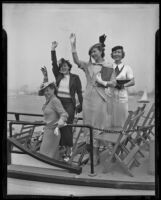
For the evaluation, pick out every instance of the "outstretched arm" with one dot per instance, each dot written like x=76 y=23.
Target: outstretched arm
x=45 y=74
x=55 y=68
x=76 y=60
x=73 y=47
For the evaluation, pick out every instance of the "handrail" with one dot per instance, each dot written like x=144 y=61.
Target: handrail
x=17 y=114
x=31 y=114
x=38 y=123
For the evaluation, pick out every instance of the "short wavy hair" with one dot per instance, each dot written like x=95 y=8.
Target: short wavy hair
x=62 y=61
x=116 y=48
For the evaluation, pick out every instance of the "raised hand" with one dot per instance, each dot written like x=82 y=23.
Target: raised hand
x=44 y=71
x=54 y=45
x=72 y=38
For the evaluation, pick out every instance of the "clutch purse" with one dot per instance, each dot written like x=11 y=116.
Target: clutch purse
x=123 y=81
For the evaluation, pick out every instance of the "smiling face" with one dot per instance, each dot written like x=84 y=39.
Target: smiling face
x=96 y=54
x=48 y=92
x=64 y=69
x=117 y=55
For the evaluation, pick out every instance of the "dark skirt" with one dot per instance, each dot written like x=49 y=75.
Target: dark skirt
x=66 y=132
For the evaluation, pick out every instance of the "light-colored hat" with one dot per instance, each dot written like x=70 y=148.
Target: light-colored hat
x=43 y=86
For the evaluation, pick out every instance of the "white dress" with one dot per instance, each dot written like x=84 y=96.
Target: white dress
x=94 y=101
x=119 y=98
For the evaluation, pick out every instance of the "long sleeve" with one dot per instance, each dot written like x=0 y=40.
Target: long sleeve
x=57 y=106
x=79 y=90
x=81 y=64
x=45 y=79
x=55 y=68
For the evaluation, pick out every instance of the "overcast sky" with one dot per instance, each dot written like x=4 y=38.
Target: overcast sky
x=32 y=27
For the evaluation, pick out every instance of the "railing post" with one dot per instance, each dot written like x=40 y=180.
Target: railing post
x=91 y=152
x=17 y=116
x=8 y=153
x=9 y=145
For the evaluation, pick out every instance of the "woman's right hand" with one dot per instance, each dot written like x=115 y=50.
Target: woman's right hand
x=44 y=71
x=54 y=45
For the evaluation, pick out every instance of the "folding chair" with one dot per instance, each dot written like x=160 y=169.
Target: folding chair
x=24 y=136
x=28 y=137
x=79 y=147
x=131 y=137
x=124 y=155
x=148 y=120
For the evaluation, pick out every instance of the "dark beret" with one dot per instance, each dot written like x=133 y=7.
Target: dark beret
x=116 y=48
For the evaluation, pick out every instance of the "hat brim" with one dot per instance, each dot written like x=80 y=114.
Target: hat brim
x=94 y=46
x=41 y=91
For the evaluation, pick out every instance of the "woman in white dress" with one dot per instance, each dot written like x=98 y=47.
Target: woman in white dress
x=94 y=99
x=119 y=93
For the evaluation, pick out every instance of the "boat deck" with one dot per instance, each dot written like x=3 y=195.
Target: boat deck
x=26 y=167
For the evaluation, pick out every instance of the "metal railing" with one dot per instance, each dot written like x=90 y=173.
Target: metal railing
x=38 y=123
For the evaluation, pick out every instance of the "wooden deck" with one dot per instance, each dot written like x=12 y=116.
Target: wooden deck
x=26 y=168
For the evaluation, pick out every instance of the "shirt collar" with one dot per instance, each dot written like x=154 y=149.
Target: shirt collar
x=119 y=66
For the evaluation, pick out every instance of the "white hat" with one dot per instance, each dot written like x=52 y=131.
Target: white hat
x=45 y=85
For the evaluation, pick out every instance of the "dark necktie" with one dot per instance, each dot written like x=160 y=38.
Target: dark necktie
x=117 y=71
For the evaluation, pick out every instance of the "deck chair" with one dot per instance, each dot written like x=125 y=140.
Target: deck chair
x=148 y=120
x=79 y=149
x=132 y=137
x=24 y=136
x=121 y=153
x=29 y=138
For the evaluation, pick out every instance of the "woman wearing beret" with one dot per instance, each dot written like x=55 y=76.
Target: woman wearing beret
x=54 y=115
x=68 y=86
x=125 y=78
x=94 y=100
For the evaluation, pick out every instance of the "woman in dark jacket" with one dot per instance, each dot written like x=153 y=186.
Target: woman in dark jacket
x=68 y=85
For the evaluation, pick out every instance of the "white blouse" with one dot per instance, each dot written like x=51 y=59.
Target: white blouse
x=126 y=73
x=63 y=90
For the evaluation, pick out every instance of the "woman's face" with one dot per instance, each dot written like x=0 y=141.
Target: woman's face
x=117 y=55
x=96 y=54
x=64 y=69
x=49 y=92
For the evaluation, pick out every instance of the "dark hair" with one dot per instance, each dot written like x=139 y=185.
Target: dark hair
x=53 y=86
x=116 y=48
x=62 y=61
x=100 y=46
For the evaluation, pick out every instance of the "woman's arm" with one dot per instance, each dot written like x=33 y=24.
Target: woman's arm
x=63 y=115
x=55 y=68
x=76 y=60
x=130 y=83
x=130 y=76
x=111 y=83
x=79 y=93
x=45 y=74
